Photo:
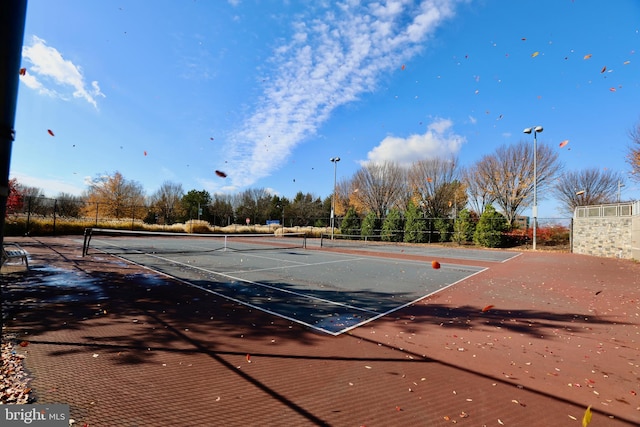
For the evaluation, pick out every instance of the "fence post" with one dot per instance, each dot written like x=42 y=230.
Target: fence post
x=97 y=214
x=55 y=207
x=28 y=215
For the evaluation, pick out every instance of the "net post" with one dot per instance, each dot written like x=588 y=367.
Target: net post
x=321 y=239
x=87 y=239
x=225 y=243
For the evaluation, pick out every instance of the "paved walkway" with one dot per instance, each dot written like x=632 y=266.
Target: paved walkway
x=124 y=347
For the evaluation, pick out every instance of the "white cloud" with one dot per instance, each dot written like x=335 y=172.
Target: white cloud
x=437 y=141
x=51 y=186
x=52 y=75
x=329 y=61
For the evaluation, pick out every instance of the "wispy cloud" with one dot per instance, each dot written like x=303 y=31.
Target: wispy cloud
x=329 y=61
x=52 y=75
x=438 y=141
x=51 y=186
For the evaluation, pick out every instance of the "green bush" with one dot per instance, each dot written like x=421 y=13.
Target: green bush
x=370 y=225
x=415 y=229
x=392 y=227
x=464 y=226
x=490 y=228
x=443 y=227
x=350 y=223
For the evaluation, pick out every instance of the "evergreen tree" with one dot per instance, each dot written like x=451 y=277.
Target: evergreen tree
x=392 y=227
x=350 y=223
x=370 y=225
x=414 y=226
x=443 y=226
x=464 y=226
x=490 y=228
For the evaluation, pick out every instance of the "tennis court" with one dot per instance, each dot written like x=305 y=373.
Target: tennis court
x=327 y=291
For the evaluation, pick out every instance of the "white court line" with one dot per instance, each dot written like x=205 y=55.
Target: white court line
x=371 y=319
x=292 y=319
x=264 y=285
x=307 y=264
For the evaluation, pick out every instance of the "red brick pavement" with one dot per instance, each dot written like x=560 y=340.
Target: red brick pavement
x=130 y=349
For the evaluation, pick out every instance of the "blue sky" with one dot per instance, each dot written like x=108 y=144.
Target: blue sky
x=269 y=90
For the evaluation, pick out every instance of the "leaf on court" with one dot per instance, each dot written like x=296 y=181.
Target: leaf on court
x=24 y=343
x=563 y=143
x=534 y=54
x=586 y=419
x=23 y=71
x=487 y=308
x=435 y=264
x=248 y=358
x=221 y=174
x=587 y=56
x=50 y=132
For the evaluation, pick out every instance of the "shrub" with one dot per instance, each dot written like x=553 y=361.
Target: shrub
x=349 y=225
x=464 y=226
x=443 y=227
x=370 y=225
x=392 y=227
x=415 y=230
x=490 y=228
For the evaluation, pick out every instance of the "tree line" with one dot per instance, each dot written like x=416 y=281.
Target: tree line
x=435 y=188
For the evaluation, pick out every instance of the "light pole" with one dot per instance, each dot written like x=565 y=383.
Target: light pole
x=536 y=130
x=335 y=161
x=620 y=185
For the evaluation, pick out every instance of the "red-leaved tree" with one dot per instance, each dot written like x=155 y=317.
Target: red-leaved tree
x=14 y=201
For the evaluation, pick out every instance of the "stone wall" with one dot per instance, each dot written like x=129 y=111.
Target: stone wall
x=611 y=230
x=603 y=236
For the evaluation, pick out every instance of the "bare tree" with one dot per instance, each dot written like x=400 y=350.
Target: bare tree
x=253 y=203
x=480 y=196
x=586 y=187
x=116 y=197
x=434 y=183
x=166 y=201
x=633 y=154
x=509 y=175
x=380 y=186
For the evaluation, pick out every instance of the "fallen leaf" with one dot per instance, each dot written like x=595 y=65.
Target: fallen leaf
x=249 y=358
x=586 y=419
x=24 y=343
x=435 y=264
x=487 y=308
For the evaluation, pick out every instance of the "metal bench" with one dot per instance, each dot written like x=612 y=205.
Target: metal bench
x=13 y=251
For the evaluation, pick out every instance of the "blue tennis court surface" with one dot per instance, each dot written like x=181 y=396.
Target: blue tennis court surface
x=326 y=291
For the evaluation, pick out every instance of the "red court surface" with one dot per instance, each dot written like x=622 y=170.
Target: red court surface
x=529 y=342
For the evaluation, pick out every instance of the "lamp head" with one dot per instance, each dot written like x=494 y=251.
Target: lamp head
x=538 y=129
x=527 y=130
x=335 y=159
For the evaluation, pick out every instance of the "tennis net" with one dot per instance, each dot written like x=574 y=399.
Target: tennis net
x=160 y=242
x=350 y=240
